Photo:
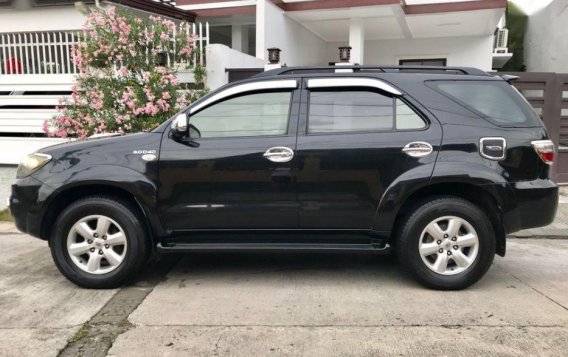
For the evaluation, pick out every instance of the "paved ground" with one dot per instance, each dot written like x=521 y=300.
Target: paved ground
x=282 y=304
x=41 y=311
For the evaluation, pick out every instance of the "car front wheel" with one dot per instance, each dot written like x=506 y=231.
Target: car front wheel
x=99 y=242
x=446 y=243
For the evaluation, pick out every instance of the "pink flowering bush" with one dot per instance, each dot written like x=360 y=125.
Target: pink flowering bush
x=121 y=86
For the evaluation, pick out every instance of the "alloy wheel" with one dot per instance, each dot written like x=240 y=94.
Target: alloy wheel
x=96 y=244
x=448 y=245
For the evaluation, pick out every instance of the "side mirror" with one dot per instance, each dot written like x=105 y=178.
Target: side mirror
x=179 y=125
x=179 y=131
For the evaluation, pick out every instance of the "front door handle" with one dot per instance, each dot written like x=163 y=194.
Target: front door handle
x=279 y=154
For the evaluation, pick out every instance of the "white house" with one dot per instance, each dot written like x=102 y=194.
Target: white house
x=546 y=44
x=395 y=32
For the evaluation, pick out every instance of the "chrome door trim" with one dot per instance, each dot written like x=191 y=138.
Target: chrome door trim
x=243 y=88
x=417 y=149
x=352 y=82
x=279 y=154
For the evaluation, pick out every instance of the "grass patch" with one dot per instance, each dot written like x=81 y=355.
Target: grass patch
x=5 y=216
x=83 y=332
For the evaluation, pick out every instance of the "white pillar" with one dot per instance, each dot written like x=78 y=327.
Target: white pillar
x=260 y=23
x=245 y=44
x=357 y=40
x=237 y=37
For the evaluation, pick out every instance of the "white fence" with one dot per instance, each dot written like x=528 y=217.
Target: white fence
x=36 y=71
x=50 y=52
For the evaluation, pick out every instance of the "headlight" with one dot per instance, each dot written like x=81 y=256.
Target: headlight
x=31 y=163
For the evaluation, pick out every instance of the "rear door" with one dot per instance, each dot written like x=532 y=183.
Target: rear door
x=356 y=136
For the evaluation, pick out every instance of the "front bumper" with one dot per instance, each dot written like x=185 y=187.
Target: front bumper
x=23 y=206
x=536 y=205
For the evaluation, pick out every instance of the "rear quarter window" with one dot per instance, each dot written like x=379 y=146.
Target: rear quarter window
x=496 y=101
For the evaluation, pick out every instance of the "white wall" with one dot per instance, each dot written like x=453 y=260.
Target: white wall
x=221 y=57
x=546 y=39
x=300 y=46
x=459 y=51
x=54 y=18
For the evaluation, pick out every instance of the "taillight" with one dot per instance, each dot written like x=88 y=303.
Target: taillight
x=545 y=150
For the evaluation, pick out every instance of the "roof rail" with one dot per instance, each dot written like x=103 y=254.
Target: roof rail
x=364 y=68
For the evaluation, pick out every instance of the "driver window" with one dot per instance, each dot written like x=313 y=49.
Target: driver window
x=258 y=114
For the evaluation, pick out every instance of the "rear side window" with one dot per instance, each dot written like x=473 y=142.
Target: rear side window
x=496 y=101
x=359 y=111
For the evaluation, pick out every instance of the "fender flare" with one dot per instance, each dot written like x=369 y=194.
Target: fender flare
x=142 y=189
x=476 y=174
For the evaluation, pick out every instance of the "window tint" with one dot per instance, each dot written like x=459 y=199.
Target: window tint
x=406 y=117
x=497 y=101
x=345 y=111
x=257 y=114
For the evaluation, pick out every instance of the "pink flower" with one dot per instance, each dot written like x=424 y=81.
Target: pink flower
x=163 y=105
x=45 y=128
x=149 y=94
x=151 y=109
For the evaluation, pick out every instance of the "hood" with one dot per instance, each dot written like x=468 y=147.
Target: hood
x=97 y=141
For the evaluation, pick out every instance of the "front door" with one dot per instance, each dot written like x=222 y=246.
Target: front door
x=350 y=149
x=238 y=173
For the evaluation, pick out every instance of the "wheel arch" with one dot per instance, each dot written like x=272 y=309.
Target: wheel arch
x=65 y=196
x=487 y=197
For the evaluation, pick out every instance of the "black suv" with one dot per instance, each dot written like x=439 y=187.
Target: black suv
x=438 y=164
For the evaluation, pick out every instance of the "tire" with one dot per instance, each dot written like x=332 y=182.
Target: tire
x=116 y=252
x=440 y=216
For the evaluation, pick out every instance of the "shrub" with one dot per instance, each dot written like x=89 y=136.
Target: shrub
x=123 y=85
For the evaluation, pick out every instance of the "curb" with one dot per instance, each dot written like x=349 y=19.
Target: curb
x=538 y=236
x=8 y=228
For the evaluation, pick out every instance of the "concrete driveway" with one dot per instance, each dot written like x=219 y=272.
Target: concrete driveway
x=284 y=304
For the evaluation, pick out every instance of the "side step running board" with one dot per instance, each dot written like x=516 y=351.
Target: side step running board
x=272 y=247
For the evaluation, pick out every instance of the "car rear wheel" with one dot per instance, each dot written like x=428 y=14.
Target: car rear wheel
x=446 y=243
x=99 y=242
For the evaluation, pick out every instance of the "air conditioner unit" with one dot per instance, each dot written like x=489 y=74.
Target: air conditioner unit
x=501 y=38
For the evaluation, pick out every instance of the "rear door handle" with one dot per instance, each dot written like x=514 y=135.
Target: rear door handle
x=279 y=154
x=417 y=149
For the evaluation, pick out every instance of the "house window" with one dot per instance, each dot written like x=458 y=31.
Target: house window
x=423 y=62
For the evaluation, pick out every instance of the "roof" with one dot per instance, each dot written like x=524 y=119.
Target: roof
x=163 y=8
